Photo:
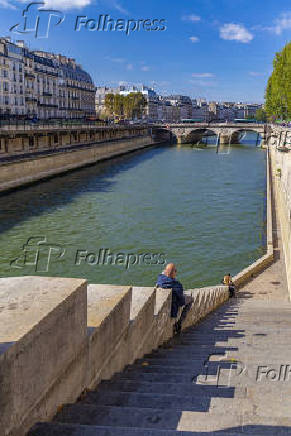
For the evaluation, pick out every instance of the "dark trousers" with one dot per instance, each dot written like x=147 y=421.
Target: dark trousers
x=178 y=324
x=231 y=289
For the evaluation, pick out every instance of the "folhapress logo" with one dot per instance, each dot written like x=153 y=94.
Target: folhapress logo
x=38 y=254
x=37 y=20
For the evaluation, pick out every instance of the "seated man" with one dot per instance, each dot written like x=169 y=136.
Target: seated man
x=227 y=280
x=167 y=280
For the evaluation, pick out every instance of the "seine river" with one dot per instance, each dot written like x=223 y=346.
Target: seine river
x=202 y=210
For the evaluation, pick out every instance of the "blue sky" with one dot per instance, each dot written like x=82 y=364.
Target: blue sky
x=217 y=49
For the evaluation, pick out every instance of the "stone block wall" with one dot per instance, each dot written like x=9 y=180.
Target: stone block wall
x=281 y=173
x=25 y=171
x=60 y=337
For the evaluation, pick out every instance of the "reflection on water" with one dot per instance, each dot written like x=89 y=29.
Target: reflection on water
x=202 y=210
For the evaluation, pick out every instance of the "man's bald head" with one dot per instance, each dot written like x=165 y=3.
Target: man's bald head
x=170 y=270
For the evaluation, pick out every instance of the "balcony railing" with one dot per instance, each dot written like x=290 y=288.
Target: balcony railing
x=31 y=100
x=48 y=105
x=29 y=75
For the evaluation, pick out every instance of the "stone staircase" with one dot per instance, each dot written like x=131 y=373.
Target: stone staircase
x=214 y=379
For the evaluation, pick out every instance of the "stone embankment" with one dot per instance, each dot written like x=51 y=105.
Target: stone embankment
x=281 y=173
x=54 y=152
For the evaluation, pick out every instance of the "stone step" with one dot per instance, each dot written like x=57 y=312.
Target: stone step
x=90 y=414
x=255 y=349
x=179 y=365
x=254 y=339
x=186 y=362
x=55 y=429
x=161 y=374
x=162 y=371
x=160 y=419
x=188 y=351
x=160 y=401
x=181 y=389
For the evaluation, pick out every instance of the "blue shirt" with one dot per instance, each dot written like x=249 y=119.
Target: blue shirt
x=178 y=298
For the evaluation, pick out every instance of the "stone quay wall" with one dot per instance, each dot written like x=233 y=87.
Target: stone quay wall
x=22 y=166
x=61 y=337
x=281 y=173
x=263 y=262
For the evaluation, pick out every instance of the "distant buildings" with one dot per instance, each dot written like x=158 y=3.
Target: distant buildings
x=174 y=108
x=42 y=85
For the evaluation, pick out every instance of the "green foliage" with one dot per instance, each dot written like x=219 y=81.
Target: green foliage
x=278 y=91
x=261 y=115
x=130 y=106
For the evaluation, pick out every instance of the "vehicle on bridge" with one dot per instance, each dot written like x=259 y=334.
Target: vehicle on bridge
x=246 y=121
x=192 y=121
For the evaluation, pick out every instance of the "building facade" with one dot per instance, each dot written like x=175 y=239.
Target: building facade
x=174 y=108
x=43 y=85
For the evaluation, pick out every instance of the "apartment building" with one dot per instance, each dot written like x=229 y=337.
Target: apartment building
x=43 y=85
x=174 y=108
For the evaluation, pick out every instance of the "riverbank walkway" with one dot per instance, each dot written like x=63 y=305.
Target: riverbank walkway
x=227 y=376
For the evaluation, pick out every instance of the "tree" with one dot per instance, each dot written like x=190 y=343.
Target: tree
x=109 y=104
x=138 y=104
x=261 y=115
x=130 y=106
x=278 y=91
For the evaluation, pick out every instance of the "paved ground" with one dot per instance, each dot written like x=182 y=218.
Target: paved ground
x=227 y=376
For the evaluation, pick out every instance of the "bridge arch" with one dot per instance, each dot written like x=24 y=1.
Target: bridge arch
x=197 y=135
x=237 y=135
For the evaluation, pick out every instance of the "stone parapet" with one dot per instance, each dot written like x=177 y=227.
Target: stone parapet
x=59 y=339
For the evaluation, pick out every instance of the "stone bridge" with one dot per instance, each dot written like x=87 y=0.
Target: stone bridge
x=226 y=133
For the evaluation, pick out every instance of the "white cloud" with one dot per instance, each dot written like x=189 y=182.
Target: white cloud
x=202 y=75
x=203 y=83
x=64 y=4
x=145 y=68
x=6 y=4
x=256 y=74
x=236 y=32
x=117 y=60
x=162 y=83
x=282 y=23
x=193 y=18
x=120 y=8
x=194 y=39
